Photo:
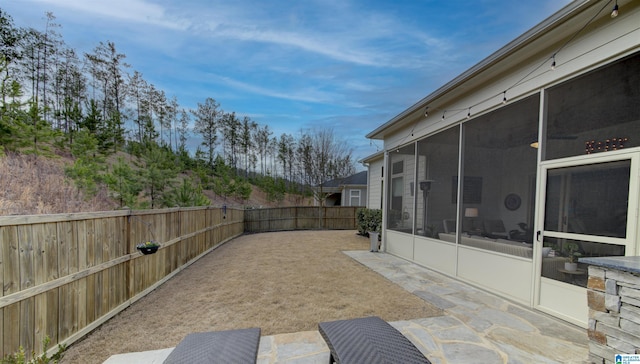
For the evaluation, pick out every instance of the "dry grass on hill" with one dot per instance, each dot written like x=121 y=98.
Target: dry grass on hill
x=281 y=282
x=31 y=185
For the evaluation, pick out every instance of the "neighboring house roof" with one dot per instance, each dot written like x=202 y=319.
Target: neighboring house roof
x=359 y=179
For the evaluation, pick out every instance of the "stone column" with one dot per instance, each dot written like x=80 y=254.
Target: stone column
x=614 y=307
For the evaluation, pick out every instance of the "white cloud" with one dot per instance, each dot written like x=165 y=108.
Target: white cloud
x=325 y=46
x=306 y=95
x=335 y=31
x=136 y=11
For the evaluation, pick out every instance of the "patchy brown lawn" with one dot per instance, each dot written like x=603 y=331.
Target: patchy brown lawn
x=281 y=282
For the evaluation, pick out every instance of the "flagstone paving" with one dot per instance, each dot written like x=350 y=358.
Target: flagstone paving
x=477 y=327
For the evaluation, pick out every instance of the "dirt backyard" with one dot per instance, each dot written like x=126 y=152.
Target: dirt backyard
x=281 y=282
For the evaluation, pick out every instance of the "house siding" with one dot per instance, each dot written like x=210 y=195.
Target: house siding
x=374 y=191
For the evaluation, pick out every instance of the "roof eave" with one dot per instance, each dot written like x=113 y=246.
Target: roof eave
x=372 y=157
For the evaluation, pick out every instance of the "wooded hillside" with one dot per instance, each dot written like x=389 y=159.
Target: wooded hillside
x=121 y=141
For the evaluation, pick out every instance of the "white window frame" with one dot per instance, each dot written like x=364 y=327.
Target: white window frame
x=351 y=197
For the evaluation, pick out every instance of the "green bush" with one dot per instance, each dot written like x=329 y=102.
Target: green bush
x=369 y=220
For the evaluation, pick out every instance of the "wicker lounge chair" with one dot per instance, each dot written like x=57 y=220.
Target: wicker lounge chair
x=225 y=347
x=368 y=340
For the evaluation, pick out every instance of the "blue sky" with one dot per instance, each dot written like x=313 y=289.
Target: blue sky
x=346 y=64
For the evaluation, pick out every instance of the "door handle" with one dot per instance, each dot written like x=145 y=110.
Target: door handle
x=538 y=235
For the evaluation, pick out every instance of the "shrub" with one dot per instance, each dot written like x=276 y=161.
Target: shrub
x=369 y=220
x=20 y=357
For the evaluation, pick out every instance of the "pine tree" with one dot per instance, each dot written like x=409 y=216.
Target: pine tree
x=38 y=133
x=187 y=194
x=158 y=171
x=88 y=164
x=123 y=183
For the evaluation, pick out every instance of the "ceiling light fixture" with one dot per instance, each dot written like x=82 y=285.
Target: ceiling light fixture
x=426 y=111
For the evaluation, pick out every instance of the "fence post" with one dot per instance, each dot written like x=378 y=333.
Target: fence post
x=129 y=266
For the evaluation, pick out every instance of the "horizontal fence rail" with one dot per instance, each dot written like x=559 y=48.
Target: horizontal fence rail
x=63 y=275
x=300 y=218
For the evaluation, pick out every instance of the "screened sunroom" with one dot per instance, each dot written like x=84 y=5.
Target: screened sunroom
x=514 y=169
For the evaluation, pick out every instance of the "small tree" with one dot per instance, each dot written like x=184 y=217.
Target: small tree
x=186 y=195
x=123 y=183
x=243 y=191
x=86 y=168
x=158 y=171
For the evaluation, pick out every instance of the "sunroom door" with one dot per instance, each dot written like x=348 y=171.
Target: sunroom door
x=587 y=207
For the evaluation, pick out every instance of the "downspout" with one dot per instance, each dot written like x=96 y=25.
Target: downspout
x=385 y=186
x=367 y=197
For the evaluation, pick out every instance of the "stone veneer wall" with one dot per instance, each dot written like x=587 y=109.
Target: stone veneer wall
x=614 y=313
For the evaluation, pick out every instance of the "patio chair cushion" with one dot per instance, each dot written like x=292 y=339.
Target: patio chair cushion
x=233 y=346
x=368 y=340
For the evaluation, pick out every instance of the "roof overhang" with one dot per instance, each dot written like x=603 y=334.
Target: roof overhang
x=373 y=157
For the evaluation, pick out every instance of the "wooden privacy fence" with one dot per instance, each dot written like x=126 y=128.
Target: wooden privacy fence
x=63 y=275
x=300 y=218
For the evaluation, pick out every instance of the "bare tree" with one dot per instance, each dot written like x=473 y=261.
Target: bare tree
x=136 y=89
x=325 y=158
x=172 y=107
x=249 y=128
x=263 y=136
x=51 y=44
x=286 y=155
x=231 y=132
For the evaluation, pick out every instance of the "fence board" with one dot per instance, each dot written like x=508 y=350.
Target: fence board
x=40 y=301
x=65 y=292
x=52 y=314
x=111 y=249
x=25 y=243
x=90 y=261
x=27 y=325
x=10 y=284
x=11 y=329
x=46 y=318
x=64 y=316
x=81 y=228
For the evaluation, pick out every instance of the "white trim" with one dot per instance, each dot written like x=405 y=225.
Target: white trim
x=351 y=196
